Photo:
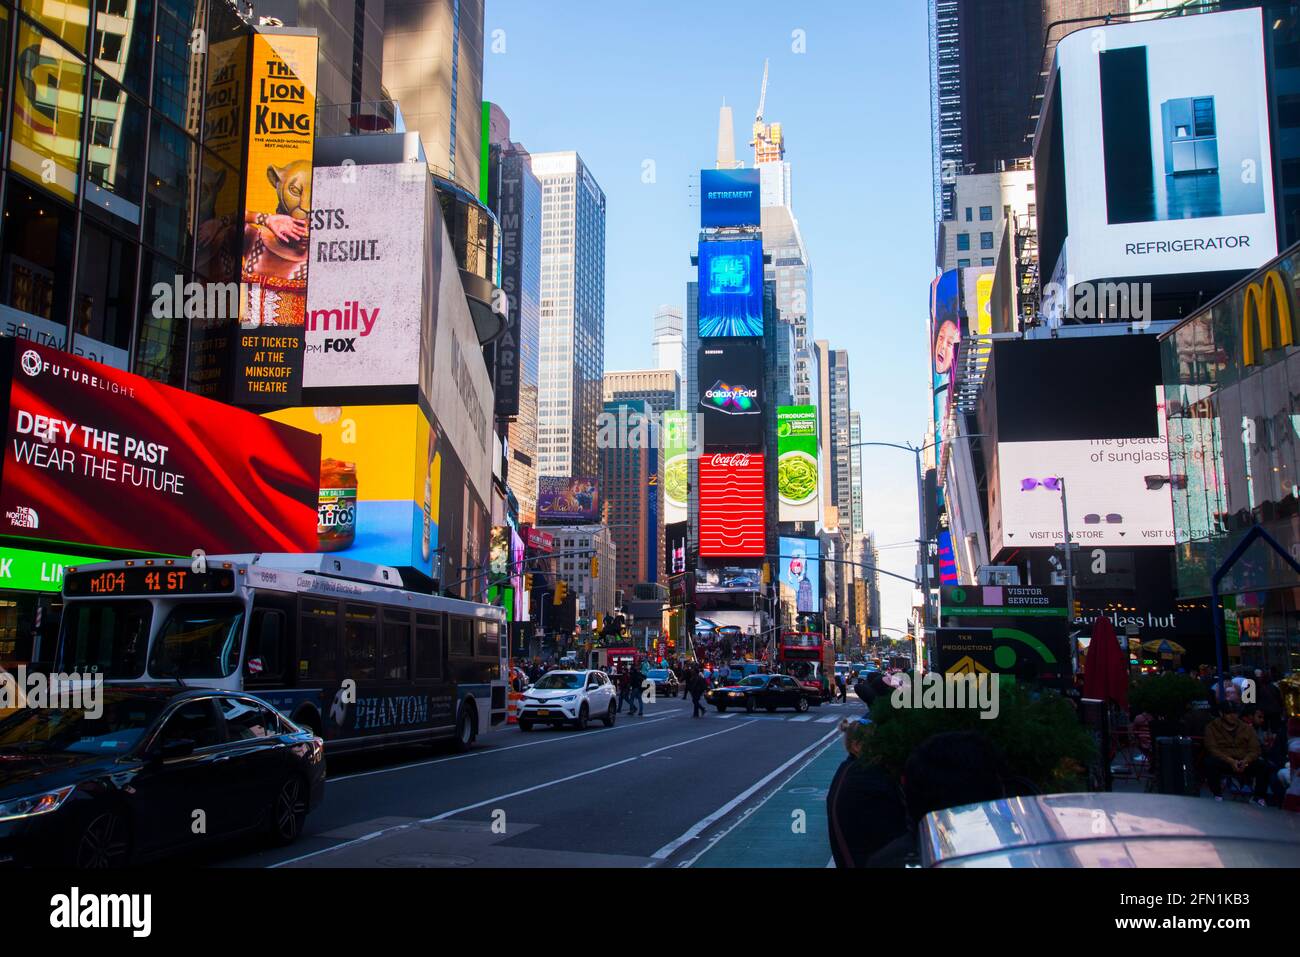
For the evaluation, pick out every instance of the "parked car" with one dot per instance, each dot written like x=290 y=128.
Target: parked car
x=107 y=791
x=569 y=697
x=665 y=681
x=1110 y=830
x=761 y=691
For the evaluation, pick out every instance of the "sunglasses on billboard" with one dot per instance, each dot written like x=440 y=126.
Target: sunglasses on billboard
x=1052 y=483
x=1155 y=482
x=1095 y=519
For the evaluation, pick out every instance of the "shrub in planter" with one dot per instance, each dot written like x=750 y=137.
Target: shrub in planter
x=1038 y=732
x=1167 y=696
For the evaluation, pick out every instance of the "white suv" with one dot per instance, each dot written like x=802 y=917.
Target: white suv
x=569 y=697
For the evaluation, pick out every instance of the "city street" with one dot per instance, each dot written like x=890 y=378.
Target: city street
x=652 y=791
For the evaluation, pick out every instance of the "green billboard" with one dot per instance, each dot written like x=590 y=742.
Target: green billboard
x=676 y=442
x=797 y=476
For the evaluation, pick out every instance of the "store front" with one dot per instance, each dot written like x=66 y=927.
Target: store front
x=1232 y=385
x=30 y=602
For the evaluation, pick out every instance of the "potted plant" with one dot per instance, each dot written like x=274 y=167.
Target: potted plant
x=1167 y=698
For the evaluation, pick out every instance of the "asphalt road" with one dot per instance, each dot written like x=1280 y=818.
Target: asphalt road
x=650 y=791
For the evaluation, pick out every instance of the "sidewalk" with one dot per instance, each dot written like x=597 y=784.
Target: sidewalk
x=772 y=834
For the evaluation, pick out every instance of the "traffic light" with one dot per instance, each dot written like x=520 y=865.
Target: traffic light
x=767 y=574
x=561 y=592
x=595 y=567
x=528 y=582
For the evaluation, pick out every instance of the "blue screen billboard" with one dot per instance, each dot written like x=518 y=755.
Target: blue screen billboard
x=729 y=197
x=801 y=574
x=731 y=288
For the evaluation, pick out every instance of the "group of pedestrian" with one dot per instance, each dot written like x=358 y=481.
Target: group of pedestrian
x=631 y=684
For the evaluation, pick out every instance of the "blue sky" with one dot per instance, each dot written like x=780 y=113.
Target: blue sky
x=627 y=82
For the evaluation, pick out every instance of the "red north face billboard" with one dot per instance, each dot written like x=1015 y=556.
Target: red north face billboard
x=97 y=456
x=732 y=520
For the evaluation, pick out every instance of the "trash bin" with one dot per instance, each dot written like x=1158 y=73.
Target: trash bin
x=1175 y=773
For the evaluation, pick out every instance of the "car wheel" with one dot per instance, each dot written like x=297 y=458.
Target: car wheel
x=466 y=726
x=770 y=708
x=750 y=704
x=802 y=704
x=288 y=812
x=608 y=720
x=581 y=722
x=721 y=708
x=525 y=726
x=105 y=842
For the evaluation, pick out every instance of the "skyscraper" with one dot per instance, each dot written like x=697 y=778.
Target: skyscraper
x=841 y=432
x=669 y=345
x=659 y=389
x=633 y=499
x=572 y=324
x=433 y=67
x=855 y=471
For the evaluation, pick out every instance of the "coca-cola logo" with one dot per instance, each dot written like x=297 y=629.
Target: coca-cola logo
x=736 y=460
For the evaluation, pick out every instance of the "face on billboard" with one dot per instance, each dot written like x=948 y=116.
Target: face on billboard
x=731 y=288
x=365 y=304
x=564 y=500
x=1117 y=492
x=732 y=521
x=797 y=476
x=730 y=379
x=98 y=456
x=381 y=478
x=729 y=197
x=800 y=573
x=1167 y=153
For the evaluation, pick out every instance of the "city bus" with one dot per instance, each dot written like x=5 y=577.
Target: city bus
x=338 y=646
x=805 y=656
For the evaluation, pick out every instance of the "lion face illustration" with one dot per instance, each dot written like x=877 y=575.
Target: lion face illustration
x=292 y=184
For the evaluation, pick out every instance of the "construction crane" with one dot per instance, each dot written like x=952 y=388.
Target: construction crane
x=762 y=96
x=767 y=140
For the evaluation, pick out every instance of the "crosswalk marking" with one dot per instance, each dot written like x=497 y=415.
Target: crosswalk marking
x=802 y=717
x=728 y=714
x=828 y=719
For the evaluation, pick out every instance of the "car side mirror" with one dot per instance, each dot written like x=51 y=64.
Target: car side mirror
x=179 y=748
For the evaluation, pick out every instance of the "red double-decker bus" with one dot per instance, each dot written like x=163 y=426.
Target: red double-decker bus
x=806 y=656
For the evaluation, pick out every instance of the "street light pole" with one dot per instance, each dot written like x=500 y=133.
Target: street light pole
x=1069 y=568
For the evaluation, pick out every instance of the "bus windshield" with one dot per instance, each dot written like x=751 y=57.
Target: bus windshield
x=199 y=640
x=109 y=638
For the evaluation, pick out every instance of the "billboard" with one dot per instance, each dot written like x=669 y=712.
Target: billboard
x=562 y=500
x=730 y=379
x=730 y=288
x=800 y=574
x=676 y=465
x=97 y=456
x=47 y=113
x=729 y=197
x=797 y=476
x=277 y=214
x=1180 y=179
x=1022 y=631
x=365 y=302
x=726 y=578
x=977 y=291
x=384 y=483
x=732 y=519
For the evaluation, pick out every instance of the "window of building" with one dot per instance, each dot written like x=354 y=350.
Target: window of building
x=105 y=300
x=968 y=214
x=986 y=240
x=963 y=263
x=986 y=261
x=115 y=162
x=167 y=203
x=36 y=265
x=160 y=347
x=986 y=214
x=48 y=95
x=963 y=241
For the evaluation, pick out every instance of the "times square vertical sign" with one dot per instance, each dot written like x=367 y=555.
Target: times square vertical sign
x=277 y=218
x=507 y=347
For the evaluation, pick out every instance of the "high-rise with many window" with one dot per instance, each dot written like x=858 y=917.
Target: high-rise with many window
x=669 y=345
x=572 y=325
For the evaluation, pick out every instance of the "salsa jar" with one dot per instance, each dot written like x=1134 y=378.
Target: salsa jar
x=336 y=510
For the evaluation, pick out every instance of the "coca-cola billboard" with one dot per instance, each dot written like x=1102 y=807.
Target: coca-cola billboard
x=732 y=498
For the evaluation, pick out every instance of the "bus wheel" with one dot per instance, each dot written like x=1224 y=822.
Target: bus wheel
x=466 y=727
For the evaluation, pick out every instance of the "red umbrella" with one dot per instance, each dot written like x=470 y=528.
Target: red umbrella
x=1105 y=668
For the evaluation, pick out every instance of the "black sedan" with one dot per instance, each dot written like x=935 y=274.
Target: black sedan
x=150 y=770
x=665 y=682
x=761 y=691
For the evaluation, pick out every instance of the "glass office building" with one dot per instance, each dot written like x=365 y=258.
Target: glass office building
x=1232 y=403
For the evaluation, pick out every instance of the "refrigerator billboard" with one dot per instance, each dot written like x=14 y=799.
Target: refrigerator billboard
x=797 y=466
x=97 y=456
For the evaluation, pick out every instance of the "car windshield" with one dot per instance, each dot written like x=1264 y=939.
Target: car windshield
x=114 y=729
x=559 y=682
x=754 y=681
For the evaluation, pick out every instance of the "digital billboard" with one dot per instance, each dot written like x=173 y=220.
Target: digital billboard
x=277 y=219
x=365 y=303
x=562 y=500
x=800 y=574
x=676 y=465
x=797 y=477
x=730 y=401
x=1165 y=144
x=732 y=520
x=727 y=578
x=1118 y=492
x=97 y=456
x=729 y=197
x=385 y=481
x=730 y=288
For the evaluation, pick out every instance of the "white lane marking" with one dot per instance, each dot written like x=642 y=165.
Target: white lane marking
x=483 y=752
x=498 y=798
x=804 y=717
x=668 y=849
x=727 y=714
x=829 y=719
